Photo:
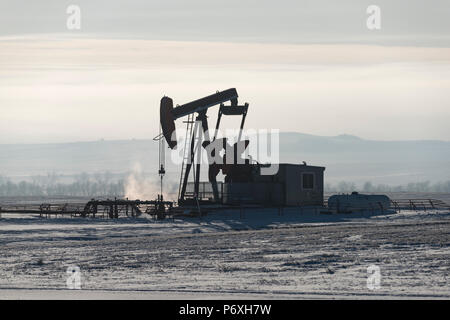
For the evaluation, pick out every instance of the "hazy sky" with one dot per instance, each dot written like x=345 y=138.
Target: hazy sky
x=306 y=66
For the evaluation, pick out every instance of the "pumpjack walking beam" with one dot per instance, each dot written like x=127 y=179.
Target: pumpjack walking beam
x=168 y=114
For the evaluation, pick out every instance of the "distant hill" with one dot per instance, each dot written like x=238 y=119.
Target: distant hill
x=354 y=159
x=345 y=157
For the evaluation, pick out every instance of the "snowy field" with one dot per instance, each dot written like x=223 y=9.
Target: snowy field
x=258 y=254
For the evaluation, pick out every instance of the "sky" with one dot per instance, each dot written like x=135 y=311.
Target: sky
x=303 y=66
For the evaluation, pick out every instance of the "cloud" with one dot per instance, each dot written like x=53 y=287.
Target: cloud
x=404 y=22
x=58 y=88
x=68 y=53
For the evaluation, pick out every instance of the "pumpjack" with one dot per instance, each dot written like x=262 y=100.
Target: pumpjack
x=197 y=131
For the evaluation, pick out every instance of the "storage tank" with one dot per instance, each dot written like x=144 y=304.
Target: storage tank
x=358 y=202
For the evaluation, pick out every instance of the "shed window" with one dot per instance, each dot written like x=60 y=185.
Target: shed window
x=308 y=181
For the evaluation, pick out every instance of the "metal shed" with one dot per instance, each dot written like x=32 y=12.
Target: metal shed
x=292 y=185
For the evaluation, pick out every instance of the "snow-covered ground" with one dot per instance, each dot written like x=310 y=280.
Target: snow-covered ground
x=258 y=253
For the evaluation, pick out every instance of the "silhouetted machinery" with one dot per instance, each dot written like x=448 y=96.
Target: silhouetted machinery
x=244 y=183
x=198 y=132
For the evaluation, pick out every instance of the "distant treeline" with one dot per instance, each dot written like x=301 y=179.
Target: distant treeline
x=83 y=185
x=426 y=186
x=103 y=184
